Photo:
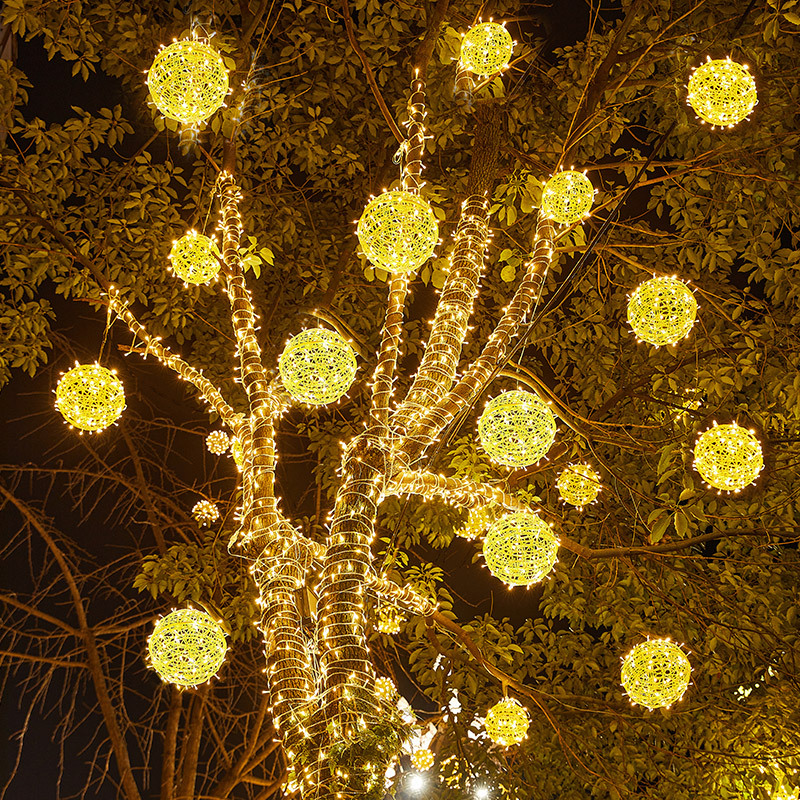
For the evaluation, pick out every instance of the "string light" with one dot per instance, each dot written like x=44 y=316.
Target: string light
x=728 y=457
x=507 y=722
x=578 y=485
x=478 y=521
x=517 y=428
x=205 y=512
x=722 y=92
x=567 y=197
x=385 y=690
x=90 y=397
x=237 y=451
x=656 y=673
x=422 y=759
x=390 y=620
x=218 y=442
x=486 y=48
x=662 y=311
x=194 y=258
x=520 y=549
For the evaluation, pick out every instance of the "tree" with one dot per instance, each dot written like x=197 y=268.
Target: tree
x=90 y=206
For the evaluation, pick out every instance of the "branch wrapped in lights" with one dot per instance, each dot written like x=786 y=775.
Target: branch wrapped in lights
x=403 y=596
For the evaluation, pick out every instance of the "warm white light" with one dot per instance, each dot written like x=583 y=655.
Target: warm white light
x=416 y=782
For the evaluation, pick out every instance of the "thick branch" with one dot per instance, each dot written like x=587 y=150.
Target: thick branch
x=403 y=596
x=170 y=742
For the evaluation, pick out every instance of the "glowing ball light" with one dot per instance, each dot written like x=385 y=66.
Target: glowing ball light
x=656 y=673
x=188 y=81
x=662 y=311
x=517 y=428
x=520 y=549
x=218 y=442
x=194 y=258
x=237 y=451
x=205 y=512
x=317 y=366
x=728 y=457
x=385 y=689
x=389 y=620
x=722 y=92
x=398 y=231
x=507 y=722
x=486 y=48
x=479 y=519
x=567 y=197
x=187 y=647
x=90 y=397
x=422 y=759
x=578 y=485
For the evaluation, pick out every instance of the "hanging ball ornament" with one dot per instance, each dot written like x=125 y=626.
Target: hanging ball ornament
x=478 y=522
x=517 y=428
x=422 y=759
x=520 y=549
x=188 y=81
x=237 y=451
x=218 y=442
x=389 y=620
x=90 y=397
x=728 y=457
x=662 y=311
x=398 y=231
x=317 y=366
x=194 y=258
x=656 y=673
x=722 y=92
x=507 y=722
x=567 y=197
x=205 y=512
x=385 y=689
x=578 y=485
x=486 y=48
x=187 y=647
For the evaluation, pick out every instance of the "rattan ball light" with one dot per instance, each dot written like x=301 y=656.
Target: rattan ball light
x=385 y=689
x=90 y=397
x=722 y=92
x=656 y=673
x=520 y=549
x=218 y=442
x=398 y=231
x=422 y=759
x=517 y=428
x=478 y=522
x=662 y=311
x=578 y=485
x=188 y=81
x=237 y=451
x=194 y=258
x=567 y=197
x=486 y=48
x=507 y=722
x=317 y=366
x=389 y=620
x=728 y=457
x=205 y=512
x=187 y=647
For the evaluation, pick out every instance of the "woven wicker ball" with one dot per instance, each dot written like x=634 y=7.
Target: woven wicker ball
x=422 y=759
x=517 y=428
x=218 y=442
x=722 y=92
x=188 y=81
x=578 y=485
x=520 y=549
x=389 y=620
x=728 y=457
x=193 y=258
x=187 y=647
x=205 y=512
x=398 y=231
x=90 y=397
x=478 y=522
x=656 y=673
x=317 y=366
x=486 y=48
x=662 y=311
x=237 y=451
x=507 y=722
x=385 y=689
x=567 y=197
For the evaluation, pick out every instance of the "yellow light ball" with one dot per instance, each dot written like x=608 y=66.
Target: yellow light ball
x=567 y=197
x=507 y=722
x=389 y=620
x=398 y=231
x=728 y=457
x=194 y=258
x=517 y=428
x=662 y=311
x=187 y=647
x=218 y=442
x=205 y=512
x=656 y=673
x=478 y=521
x=317 y=366
x=237 y=451
x=486 y=48
x=188 y=81
x=722 y=92
x=520 y=549
x=90 y=397
x=578 y=485
x=422 y=759
x=385 y=689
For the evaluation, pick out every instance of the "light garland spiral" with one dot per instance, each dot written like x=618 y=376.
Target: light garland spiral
x=194 y=259
x=578 y=485
x=218 y=442
x=486 y=48
x=507 y=722
x=656 y=673
x=520 y=549
x=728 y=457
x=90 y=397
x=205 y=512
x=662 y=311
x=422 y=759
x=567 y=197
x=722 y=92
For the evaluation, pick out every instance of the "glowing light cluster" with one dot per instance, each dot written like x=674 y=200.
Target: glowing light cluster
x=728 y=457
x=662 y=311
x=398 y=231
x=507 y=722
x=188 y=81
x=422 y=759
x=205 y=512
x=194 y=258
x=478 y=521
x=520 y=549
x=722 y=92
x=578 y=485
x=389 y=620
x=385 y=689
x=90 y=397
x=656 y=673
x=237 y=451
x=567 y=197
x=218 y=442
x=317 y=366
x=187 y=647
x=486 y=48
x=517 y=428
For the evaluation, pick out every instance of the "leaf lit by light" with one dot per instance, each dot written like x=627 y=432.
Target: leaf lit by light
x=728 y=457
x=662 y=311
x=656 y=673
x=520 y=549
x=722 y=92
x=90 y=397
x=486 y=48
